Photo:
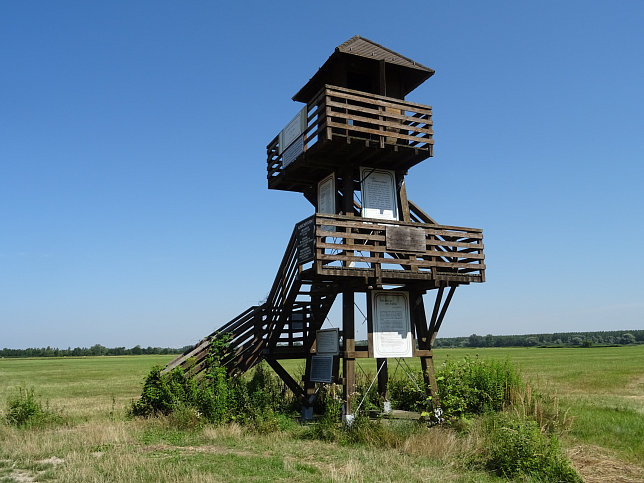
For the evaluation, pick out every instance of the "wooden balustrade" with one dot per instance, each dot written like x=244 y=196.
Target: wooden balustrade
x=437 y=252
x=341 y=124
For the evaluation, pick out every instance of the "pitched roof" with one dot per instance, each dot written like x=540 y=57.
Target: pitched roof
x=361 y=47
x=357 y=45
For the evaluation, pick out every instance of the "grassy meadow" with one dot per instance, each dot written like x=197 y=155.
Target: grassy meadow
x=601 y=387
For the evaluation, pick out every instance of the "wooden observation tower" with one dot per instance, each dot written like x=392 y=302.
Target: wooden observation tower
x=348 y=151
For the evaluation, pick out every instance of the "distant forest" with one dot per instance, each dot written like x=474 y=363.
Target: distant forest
x=560 y=339
x=95 y=350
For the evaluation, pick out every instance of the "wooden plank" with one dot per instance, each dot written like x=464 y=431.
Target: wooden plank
x=461 y=257
x=355 y=354
x=469 y=248
x=376 y=132
x=401 y=121
x=394 y=261
x=451 y=230
x=439 y=321
x=388 y=101
x=398 y=276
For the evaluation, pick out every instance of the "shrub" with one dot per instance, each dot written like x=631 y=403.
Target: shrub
x=406 y=395
x=517 y=448
x=216 y=396
x=474 y=386
x=163 y=393
x=24 y=410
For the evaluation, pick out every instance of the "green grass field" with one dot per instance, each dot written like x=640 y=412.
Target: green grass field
x=603 y=387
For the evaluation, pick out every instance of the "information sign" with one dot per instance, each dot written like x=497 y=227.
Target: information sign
x=293 y=130
x=305 y=240
x=405 y=239
x=327 y=341
x=292 y=152
x=379 y=199
x=321 y=368
x=326 y=198
x=391 y=324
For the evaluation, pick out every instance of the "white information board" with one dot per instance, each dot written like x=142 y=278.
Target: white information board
x=391 y=324
x=321 y=368
x=293 y=130
x=379 y=197
x=291 y=153
x=327 y=341
x=326 y=198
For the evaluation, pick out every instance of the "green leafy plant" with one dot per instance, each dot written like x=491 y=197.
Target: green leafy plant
x=24 y=410
x=215 y=396
x=517 y=448
x=474 y=386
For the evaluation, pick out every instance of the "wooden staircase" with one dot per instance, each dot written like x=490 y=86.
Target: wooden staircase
x=282 y=327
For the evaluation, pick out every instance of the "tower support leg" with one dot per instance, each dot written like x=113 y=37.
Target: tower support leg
x=348 y=332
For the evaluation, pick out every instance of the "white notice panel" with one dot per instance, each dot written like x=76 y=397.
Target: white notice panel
x=326 y=198
x=293 y=130
x=379 y=198
x=327 y=341
x=391 y=324
x=321 y=368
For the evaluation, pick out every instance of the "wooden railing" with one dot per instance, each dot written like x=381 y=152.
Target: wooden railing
x=395 y=252
x=337 y=112
x=268 y=325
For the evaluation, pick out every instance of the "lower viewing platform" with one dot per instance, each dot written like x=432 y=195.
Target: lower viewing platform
x=386 y=252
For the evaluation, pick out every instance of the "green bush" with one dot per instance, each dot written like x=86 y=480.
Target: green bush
x=474 y=386
x=465 y=387
x=517 y=448
x=215 y=396
x=24 y=410
x=406 y=395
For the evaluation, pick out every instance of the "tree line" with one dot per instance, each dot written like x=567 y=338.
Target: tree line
x=95 y=350
x=558 y=339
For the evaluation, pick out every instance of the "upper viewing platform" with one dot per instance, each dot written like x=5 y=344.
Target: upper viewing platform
x=355 y=115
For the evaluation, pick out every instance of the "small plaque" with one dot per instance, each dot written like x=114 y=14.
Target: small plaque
x=293 y=151
x=405 y=239
x=305 y=239
x=321 y=368
x=327 y=341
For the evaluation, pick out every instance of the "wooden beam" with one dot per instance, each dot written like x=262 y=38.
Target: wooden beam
x=437 y=326
x=286 y=377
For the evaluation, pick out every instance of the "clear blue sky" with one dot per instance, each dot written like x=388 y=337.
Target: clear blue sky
x=133 y=198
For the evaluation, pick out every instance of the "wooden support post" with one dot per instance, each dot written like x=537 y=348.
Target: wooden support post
x=348 y=300
x=403 y=202
x=348 y=332
x=419 y=320
x=429 y=377
x=383 y=377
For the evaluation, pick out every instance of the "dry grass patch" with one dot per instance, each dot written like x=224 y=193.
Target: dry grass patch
x=439 y=444
x=597 y=465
